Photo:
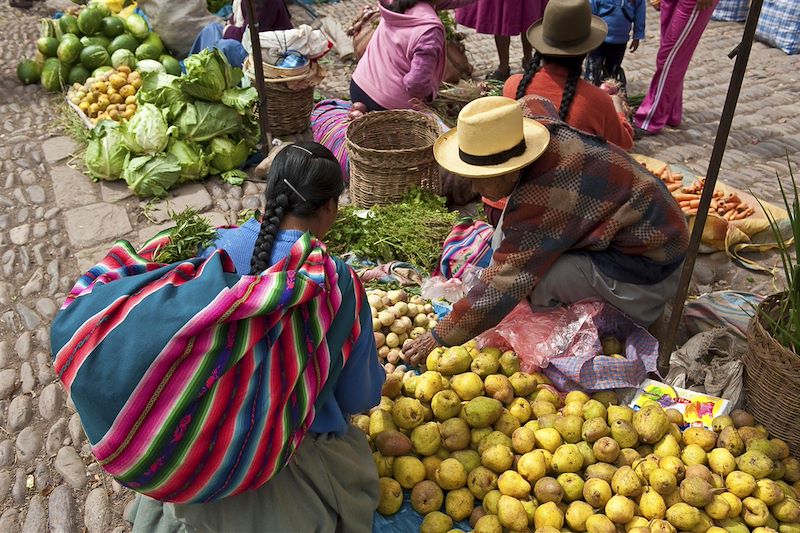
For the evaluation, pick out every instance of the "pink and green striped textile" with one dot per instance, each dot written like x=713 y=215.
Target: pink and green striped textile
x=194 y=383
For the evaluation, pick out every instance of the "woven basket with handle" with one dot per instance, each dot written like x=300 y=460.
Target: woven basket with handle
x=772 y=380
x=390 y=152
x=288 y=110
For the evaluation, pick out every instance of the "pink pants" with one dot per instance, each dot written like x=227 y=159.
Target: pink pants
x=682 y=25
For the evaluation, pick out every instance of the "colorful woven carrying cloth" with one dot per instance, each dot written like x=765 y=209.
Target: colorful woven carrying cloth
x=329 y=121
x=194 y=383
x=469 y=243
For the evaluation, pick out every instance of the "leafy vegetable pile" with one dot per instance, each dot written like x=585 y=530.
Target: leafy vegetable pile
x=185 y=129
x=412 y=231
x=192 y=233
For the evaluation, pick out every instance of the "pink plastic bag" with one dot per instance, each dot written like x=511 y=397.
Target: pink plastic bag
x=565 y=344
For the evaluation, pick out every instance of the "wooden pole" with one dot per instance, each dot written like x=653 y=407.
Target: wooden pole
x=258 y=67
x=742 y=54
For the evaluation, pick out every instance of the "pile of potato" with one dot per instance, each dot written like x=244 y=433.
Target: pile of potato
x=110 y=96
x=474 y=438
x=396 y=320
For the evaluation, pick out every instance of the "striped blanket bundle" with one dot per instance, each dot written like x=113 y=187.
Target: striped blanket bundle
x=195 y=383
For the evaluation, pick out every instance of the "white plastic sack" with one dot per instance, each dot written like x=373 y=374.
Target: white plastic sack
x=178 y=23
x=304 y=39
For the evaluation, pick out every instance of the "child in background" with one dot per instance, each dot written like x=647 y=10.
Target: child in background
x=621 y=16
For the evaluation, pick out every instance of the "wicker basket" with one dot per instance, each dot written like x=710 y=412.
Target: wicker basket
x=288 y=110
x=390 y=152
x=772 y=380
x=271 y=71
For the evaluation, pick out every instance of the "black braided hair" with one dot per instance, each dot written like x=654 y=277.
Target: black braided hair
x=574 y=66
x=317 y=177
x=399 y=6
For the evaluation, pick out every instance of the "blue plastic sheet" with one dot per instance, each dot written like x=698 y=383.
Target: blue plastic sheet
x=406 y=520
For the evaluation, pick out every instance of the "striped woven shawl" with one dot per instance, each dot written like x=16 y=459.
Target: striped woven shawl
x=194 y=383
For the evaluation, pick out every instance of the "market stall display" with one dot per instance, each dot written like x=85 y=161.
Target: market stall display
x=109 y=96
x=474 y=439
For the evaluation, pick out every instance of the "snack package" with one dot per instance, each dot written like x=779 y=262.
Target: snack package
x=698 y=409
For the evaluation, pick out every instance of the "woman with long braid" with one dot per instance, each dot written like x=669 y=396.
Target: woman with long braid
x=230 y=411
x=562 y=39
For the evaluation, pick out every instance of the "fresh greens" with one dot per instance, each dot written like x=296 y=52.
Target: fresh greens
x=412 y=230
x=162 y=90
x=226 y=154
x=203 y=121
x=147 y=132
x=192 y=233
x=192 y=159
x=242 y=100
x=106 y=152
x=208 y=75
x=152 y=175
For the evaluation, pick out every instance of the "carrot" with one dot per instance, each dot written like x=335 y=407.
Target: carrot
x=690 y=211
x=681 y=197
x=672 y=187
x=695 y=203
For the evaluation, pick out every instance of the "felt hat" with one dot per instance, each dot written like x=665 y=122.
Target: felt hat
x=492 y=138
x=567 y=29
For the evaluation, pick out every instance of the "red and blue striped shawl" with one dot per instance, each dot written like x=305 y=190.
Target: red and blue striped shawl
x=194 y=383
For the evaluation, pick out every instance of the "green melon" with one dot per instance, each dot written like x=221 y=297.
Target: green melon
x=90 y=20
x=126 y=41
x=69 y=24
x=171 y=65
x=69 y=49
x=28 y=71
x=112 y=27
x=54 y=74
x=147 y=51
x=78 y=74
x=48 y=46
x=94 y=56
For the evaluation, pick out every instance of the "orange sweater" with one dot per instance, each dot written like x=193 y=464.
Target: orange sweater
x=591 y=111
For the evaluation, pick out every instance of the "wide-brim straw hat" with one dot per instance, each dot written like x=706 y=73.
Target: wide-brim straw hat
x=568 y=29
x=492 y=138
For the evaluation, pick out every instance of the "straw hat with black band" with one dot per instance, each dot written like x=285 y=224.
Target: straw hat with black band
x=568 y=29
x=492 y=139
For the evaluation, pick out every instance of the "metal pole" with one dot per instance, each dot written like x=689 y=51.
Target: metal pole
x=258 y=66
x=742 y=53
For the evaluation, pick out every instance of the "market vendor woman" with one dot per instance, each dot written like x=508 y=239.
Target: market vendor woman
x=583 y=219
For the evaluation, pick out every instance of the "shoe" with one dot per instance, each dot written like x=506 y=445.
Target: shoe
x=499 y=75
x=638 y=133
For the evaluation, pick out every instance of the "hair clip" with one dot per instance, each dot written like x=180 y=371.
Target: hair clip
x=306 y=150
x=293 y=188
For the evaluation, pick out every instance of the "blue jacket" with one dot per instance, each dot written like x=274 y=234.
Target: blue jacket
x=621 y=15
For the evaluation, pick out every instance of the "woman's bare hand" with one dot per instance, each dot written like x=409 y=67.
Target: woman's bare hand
x=419 y=348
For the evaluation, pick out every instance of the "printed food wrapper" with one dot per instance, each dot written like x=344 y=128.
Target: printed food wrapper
x=698 y=409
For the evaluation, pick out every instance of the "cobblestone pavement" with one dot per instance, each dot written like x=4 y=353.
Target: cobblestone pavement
x=54 y=223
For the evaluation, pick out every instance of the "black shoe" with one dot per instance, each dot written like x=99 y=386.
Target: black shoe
x=499 y=75
x=638 y=133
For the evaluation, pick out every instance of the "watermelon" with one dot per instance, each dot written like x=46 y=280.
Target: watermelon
x=112 y=27
x=48 y=46
x=54 y=74
x=69 y=24
x=147 y=51
x=126 y=41
x=69 y=49
x=94 y=56
x=123 y=57
x=28 y=71
x=77 y=74
x=98 y=40
x=171 y=65
x=90 y=20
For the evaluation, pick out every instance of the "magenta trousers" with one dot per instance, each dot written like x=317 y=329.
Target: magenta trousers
x=682 y=25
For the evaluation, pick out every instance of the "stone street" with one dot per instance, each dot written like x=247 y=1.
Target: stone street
x=55 y=223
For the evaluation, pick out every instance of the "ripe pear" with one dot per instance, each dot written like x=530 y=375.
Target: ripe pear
x=490 y=501
x=523 y=440
x=620 y=509
x=602 y=471
x=455 y=434
x=428 y=384
x=482 y=412
x=755 y=463
x=392 y=443
x=606 y=450
x=600 y=523
x=576 y=515
x=651 y=423
x=567 y=458
x=488 y=524
x=594 y=409
x=521 y=409
x=361 y=422
x=511 y=513
x=484 y=365
x=383 y=464
x=426 y=497
x=436 y=522
x=576 y=396
x=742 y=418
x=497 y=458
x=627 y=457
x=626 y=483
x=754 y=512
x=408 y=413
x=524 y=384
x=569 y=427
x=426 y=439
x=451 y=474
x=541 y=408
x=667 y=446
x=408 y=471
x=718 y=508
x=546 y=393
x=380 y=421
x=594 y=429
x=390 y=496
x=458 y=504
x=597 y=492
x=619 y=412
x=532 y=466
x=674 y=465
x=663 y=481
x=721 y=422
x=694 y=454
x=431 y=463
x=721 y=461
x=572 y=485
x=445 y=404
x=768 y=492
x=498 y=386
x=509 y=363
x=547 y=514
x=705 y=438
x=548 y=439
x=787 y=510
x=410 y=385
x=696 y=491
x=548 y=489
x=481 y=481
x=769 y=447
x=588 y=455
x=469 y=458
x=455 y=360
x=734 y=502
x=477 y=436
x=652 y=505
x=495 y=437
x=507 y=424
x=683 y=516
x=547 y=420
x=606 y=397
x=740 y=483
x=511 y=483
x=749 y=433
x=624 y=433
x=467 y=385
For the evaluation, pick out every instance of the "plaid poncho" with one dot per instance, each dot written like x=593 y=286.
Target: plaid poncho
x=194 y=383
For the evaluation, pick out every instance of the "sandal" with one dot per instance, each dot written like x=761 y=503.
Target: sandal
x=21 y=4
x=499 y=75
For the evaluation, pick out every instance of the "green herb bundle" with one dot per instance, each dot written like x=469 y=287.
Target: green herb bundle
x=411 y=231
x=192 y=234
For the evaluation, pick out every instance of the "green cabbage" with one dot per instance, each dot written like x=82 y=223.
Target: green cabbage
x=226 y=154
x=105 y=155
x=208 y=74
x=192 y=159
x=147 y=131
x=152 y=175
x=240 y=99
x=202 y=121
x=137 y=26
x=234 y=177
x=162 y=90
